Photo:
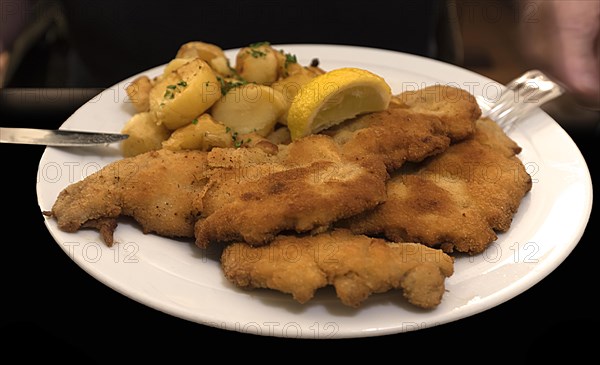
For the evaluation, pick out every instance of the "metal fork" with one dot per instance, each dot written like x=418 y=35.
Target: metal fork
x=522 y=95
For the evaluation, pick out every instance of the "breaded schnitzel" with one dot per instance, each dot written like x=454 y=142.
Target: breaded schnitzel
x=253 y=195
x=157 y=189
x=455 y=107
x=455 y=200
x=356 y=266
x=421 y=127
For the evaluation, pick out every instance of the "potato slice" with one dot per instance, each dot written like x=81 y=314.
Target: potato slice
x=144 y=135
x=139 y=93
x=185 y=93
x=202 y=134
x=175 y=64
x=287 y=64
x=250 y=108
x=221 y=66
x=210 y=53
x=257 y=63
x=202 y=50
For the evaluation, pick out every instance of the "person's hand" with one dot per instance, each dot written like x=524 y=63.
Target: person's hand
x=562 y=38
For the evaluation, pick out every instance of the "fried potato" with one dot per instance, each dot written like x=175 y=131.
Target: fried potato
x=210 y=53
x=257 y=63
x=221 y=66
x=202 y=50
x=139 y=93
x=202 y=134
x=185 y=93
x=144 y=135
x=250 y=108
x=175 y=63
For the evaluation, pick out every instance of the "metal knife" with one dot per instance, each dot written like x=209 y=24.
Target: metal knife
x=63 y=138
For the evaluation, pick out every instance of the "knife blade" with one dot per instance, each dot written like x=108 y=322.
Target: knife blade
x=60 y=138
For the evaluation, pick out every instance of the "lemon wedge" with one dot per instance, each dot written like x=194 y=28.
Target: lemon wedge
x=335 y=96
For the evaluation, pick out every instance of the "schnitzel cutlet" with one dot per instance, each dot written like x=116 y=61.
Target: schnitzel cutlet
x=457 y=200
x=157 y=189
x=455 y=107
x=412 y=130
x=355 y=265
x=253 y=195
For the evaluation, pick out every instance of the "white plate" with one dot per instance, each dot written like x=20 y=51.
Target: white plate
x=175 y=277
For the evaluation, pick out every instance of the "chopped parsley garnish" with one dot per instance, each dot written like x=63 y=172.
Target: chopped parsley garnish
x=290 y=58
x=258 y=44
x=169 y=94
x=256 y=53
x=226 y=86
x=172 y=89
x=232 y=85
x=234 y=137
x=236 y=143
x=195 y=121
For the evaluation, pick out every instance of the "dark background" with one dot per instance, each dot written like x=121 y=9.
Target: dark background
x=48 y=300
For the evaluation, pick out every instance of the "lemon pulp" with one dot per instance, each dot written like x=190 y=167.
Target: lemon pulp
x=335 y=96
